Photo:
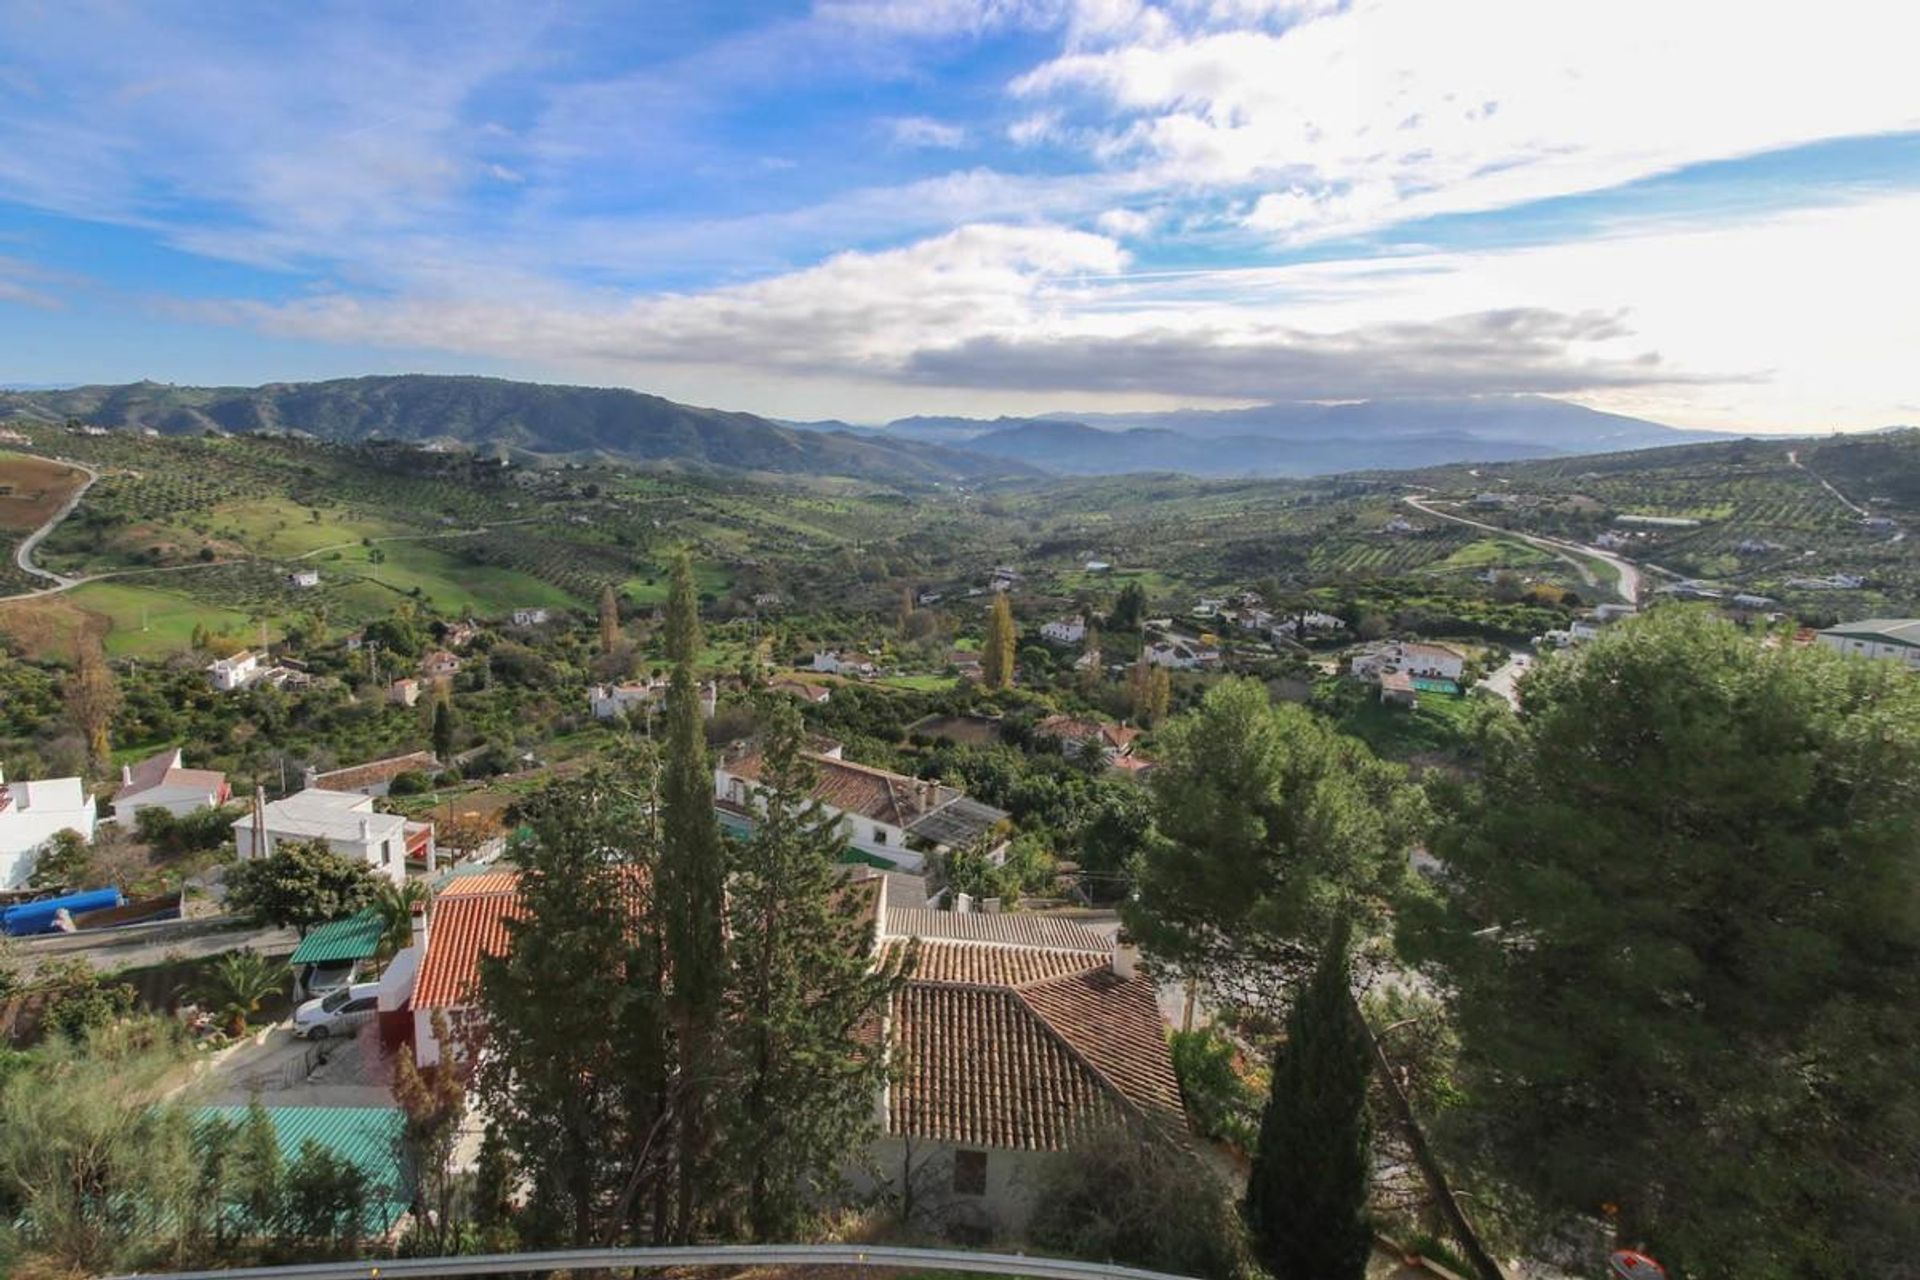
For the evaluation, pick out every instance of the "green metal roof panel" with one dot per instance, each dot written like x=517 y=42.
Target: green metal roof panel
x=355 y=938
x=369 y=1137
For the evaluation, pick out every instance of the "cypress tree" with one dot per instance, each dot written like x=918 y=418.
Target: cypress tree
x=1307 y=1195
x=692 y=888
x=802 y=984
x=609 y=619
x=443 y=730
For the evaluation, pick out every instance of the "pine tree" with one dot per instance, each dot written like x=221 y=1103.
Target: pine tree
x=609 y=619
x=692 y=894
x=996 y=657
x=574 y=1089
x=802 y=983
x=1307 y=1195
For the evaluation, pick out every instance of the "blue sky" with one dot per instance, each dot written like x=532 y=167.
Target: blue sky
x=863 y=208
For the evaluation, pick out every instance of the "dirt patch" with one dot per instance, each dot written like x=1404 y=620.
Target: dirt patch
x=32 y=489
x=50 y=627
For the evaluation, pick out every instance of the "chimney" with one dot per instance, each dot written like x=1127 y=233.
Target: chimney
x=1126 y=956
x=366 y=828
x=419 y=921
x=126 y=775
x=309 y=779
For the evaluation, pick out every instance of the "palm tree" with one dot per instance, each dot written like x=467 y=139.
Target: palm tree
x=395 y=903
x=237 y=984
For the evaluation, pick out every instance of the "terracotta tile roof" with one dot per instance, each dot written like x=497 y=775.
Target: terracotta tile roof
x=1012 y=1045
x=462 y=928
x=979 y=1067
x=376 y=771
x=481 y=882
x=878 y=794
x=1014 y=929
x=975 y=964
x=1080 y=728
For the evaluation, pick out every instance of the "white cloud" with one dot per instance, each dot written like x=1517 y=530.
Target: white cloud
x=922 y=131
x=1129 y=224
x=1476 y=105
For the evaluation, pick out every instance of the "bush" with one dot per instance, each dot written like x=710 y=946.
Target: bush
x=1223 y=1103
x=1128 y=1196
x=413 y=782
x=65 y=862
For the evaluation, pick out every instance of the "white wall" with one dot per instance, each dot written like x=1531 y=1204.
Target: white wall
x=24 y=831
x=1872 y=648
x=1003 y=1211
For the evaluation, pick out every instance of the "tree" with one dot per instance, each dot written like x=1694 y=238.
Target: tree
x=396 y=903
x=443 y=729
x=65 y=861
x=300 y=884
x=92 y=699
x=464 y=833
x=802 y=985
x=1306 y=1202
x=1159 y=695
x=609 y=619
x=1678 y=911
x=237 y=984
x=434 y=1106
x=692 y=892
x=903 y=616
x=576 y=1090
x=1128 y=609
x=1271 y=825
x=996 y=654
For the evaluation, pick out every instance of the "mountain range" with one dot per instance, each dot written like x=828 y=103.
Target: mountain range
x=497 y=415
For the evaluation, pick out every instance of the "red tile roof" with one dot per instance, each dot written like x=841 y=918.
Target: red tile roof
x=462 y=928
x=878 y=794
x=1014 y=929
x=1007 y=1044
x=373 y=772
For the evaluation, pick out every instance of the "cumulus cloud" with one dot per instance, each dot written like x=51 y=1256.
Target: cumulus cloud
x=922 y=131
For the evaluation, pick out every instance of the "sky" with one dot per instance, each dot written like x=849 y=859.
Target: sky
x=1704 y=213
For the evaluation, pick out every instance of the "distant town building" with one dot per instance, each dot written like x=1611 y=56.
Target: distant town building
x=1897 y=638
x=609 y=700
x=404 y=692
x=235 y=672
x=304 y=578
x=347 y=823
x=530 y=617
x=1065 y=630
x=833 y=662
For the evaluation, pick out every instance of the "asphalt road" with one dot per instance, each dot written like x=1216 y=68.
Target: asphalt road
x=23 y=554
x=1631 y=580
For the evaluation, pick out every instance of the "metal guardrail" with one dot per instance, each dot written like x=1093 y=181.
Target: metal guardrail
x=569 y=1260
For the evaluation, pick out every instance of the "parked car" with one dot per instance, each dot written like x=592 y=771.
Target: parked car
x=324 y=979
x=337 y=1013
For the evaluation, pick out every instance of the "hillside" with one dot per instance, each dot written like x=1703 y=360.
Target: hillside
x=495 y=414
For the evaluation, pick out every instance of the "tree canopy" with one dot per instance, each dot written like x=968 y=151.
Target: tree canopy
x=1682 y=912
x=300 y=884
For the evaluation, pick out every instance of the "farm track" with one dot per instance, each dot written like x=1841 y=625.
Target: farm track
x=1629 y=584
x=23 y=554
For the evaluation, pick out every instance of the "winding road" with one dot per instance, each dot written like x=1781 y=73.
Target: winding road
x=1631 y=580
x=23 y=554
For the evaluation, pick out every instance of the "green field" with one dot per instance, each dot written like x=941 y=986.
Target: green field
x=921 y=684
x=282 y=527
x=1487 y=553
x=445 y=581
x=150 y=622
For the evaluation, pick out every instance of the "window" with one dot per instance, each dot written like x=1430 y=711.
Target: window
x=970 y=1173
x=365 y=1005
x=386 y=853
x=879 y=835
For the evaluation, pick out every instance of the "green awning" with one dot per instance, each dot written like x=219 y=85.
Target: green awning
x=354 y=938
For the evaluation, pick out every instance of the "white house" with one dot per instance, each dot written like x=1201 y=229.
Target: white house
x=529 y=617
x=164 y=782
x=1410 y=658
x=1065 y=630
x=32 y=813
x=1181 y=655
x=610 y=700
x=885 y=815
x=1897 y=638
x=236 y=672
x=304 y=578
x=348 y=824
x=843 y=664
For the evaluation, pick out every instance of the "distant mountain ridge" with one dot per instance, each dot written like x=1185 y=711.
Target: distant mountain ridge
x=495 y=413
x=1302 y=438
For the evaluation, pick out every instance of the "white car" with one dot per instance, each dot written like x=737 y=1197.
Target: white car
x=338 y=1012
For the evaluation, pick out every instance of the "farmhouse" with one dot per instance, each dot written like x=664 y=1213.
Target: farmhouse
x=236 y=672
x=304 y=578
x=530 y=617
x=164 y=782
x=843 y=664
x=32 y=813
x=1065 y=630
x=1412 y=658
x=347 y=823
x=887 y=816
x=801 y=689
x=1897 y=638
x=1181 y=654
x=1079 y=734
x=438 y=666
x=404 y=692
x=609 y=700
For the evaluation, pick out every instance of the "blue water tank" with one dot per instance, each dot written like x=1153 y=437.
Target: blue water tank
x=37 y=917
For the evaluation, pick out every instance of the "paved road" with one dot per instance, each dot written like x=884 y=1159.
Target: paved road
x=138 y=946
x=1503 y=679
x=1793 y=457
x=1631 y=580
x=23 y=554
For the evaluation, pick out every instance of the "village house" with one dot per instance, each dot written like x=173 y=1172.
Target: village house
x=801 y=689
x=966 y=663
x=896 y=819
x=375 y=777
x=609 y=700
x=1832 y=582
x=31 y=814
x=530 y=617
x=348 y=824
x=1897 y=638
x=404 y=692
x=1413 y=658
x=236 y=672
x=304 y=578
x=1399 y=525
x=458 y=635
x=439 y=666
x=1079 y=734
x=1181 y=654
x=1207 y=606
x=1065 y=630
x=163 y=781
x=1611 y=541
x=843 y=664
x=1014 y=1035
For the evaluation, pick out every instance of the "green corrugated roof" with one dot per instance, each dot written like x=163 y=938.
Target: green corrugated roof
x=354 y=938
x=367 y=1136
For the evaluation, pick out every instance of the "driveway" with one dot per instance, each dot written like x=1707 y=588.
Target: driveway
x=286 y=1072
x=1503 y=679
